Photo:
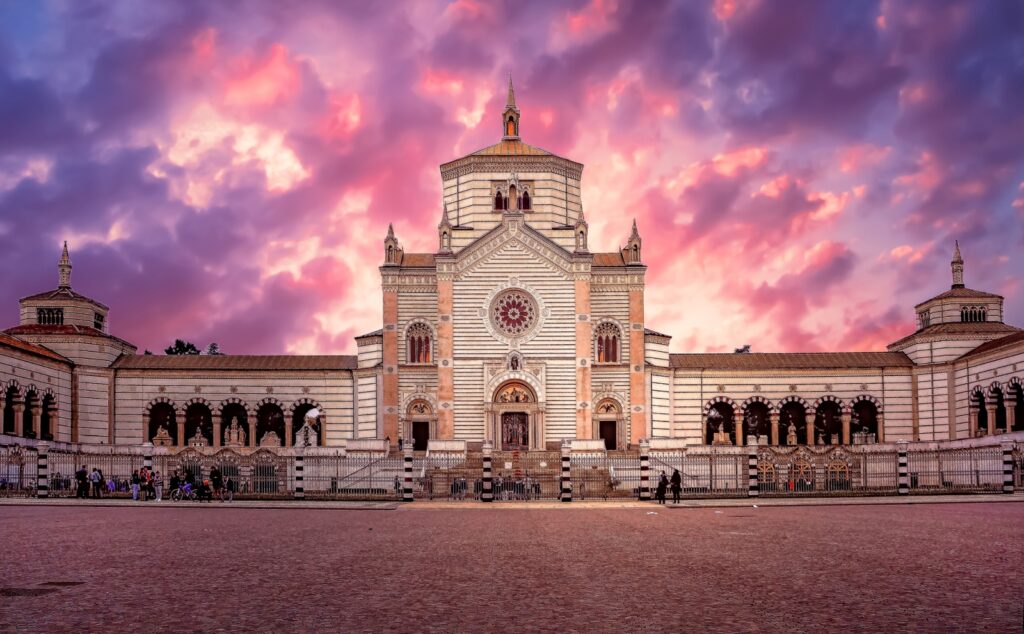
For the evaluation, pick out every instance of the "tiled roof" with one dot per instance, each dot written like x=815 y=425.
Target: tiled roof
x=609 y=259
x=205 y=362
x=64 y=294
x=996 y=344
x=418 y=259
x=65 y=329
x=511 y=147
x=655 y=333
x=31 y=348
x=982 y=328
x=376 y=333
x=788 y=360
x=965 y=293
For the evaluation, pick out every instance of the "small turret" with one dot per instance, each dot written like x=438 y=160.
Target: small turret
x=444 y=232
x=957 y=264
x=64 y=268
x=392 y=250
x=581 y=234
x=631 y=253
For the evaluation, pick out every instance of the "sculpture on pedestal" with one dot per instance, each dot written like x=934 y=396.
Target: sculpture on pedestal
x=234 y=435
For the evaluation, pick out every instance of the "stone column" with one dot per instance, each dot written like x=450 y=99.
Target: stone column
x=584 y=351
x=637 y=376
x=252 y=433
x=181 y=440
x=881 y=427
x=487 y=485
x=288 y=433
x=737 y=429
x=43 y=474
x=991 y=410
x=774 y=418
x=390 y=375
x=37 y=420
x=845 y=418
x=445 y=352
x=809 y=424
x=645 y=469
x=217 y=435
x=1011 y=414
x=19 y=417
x=972 y=421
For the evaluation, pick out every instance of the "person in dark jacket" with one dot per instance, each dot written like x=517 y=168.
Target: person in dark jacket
x=677 y=486
x=659 y=493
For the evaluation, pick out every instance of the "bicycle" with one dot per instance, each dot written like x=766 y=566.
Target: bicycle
x=184 y=492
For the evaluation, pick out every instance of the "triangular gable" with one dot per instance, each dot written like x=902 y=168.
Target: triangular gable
x=518 y=231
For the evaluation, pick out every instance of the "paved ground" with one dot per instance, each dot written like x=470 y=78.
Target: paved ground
x=926 y=567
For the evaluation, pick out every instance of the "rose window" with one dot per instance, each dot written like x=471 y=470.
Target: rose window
x=514 y=313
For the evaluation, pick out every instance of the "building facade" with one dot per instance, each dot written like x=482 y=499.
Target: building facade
x=512 y=332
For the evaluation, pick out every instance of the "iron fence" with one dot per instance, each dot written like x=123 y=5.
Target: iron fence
x=977 y=469
x=527 y=475
x=825 y=471
x=17 y=471
x=703 y=473
x=447 y=475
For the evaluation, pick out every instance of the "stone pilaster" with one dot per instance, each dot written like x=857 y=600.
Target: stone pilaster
x=37 y=420
x=972 y=421
x=845 y=418
x=637 y=378
x=809 y=424
x=19 y=417
x=390 y=378
x=1011 y=414
x=217 y=435
x=990 y=409
x=584 y=353
x=445 y=352
x=774 y=418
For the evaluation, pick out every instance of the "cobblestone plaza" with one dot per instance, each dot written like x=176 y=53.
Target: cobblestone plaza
x=930 y=567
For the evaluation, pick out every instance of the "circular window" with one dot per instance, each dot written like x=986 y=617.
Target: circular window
x=514 y=312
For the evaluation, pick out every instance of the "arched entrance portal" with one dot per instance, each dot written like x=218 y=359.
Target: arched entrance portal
x=516 y=418
x=420 y=424
x=607 y=427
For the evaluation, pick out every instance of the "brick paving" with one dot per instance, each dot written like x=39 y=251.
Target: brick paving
x=929 y=567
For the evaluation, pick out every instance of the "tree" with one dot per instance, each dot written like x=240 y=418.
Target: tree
x=743 y=350
x=213 y=349
x=181 y=347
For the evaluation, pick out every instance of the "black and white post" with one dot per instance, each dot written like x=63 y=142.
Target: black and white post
x=566 y=472
x=1007 y=467
x=147 y=457
x=903 y=471
x=753 y=490
x=645 y=469
x=487 y=485
x=42 y=470
x=407 y=476
x=300 y=487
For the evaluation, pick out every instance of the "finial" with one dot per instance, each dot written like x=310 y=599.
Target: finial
x=64 y=268
x=444 y=217
x=956 y=251
x=511 y=101
x=391 y=231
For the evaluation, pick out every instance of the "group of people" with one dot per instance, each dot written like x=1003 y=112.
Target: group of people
x=208 y=488
x=147 y=485
x=91 y=484
x=664 y=483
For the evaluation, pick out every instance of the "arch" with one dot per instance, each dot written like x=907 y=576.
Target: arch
x=419 y=342
x=719 y=418
x=49 y=410
x=757 y=413
x=510 y=126
x=1015 y=401
x=829 y=398
x=270 y=423
x=297 y=412
x=607 y=341
x=198 y=416
x=513 y=197
x=864 y=398
x=499 y=201
x=864 y=413
x=608 y=406
x=977 y=404
x=996 y=395
x=232 y=408
x=161 y=415
x=793 y=412
x=828 y=423
x=514 y=392
x=12 y=397
x=526 y=199
x=495 y=383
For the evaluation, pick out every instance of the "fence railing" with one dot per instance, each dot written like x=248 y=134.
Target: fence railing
x=330 y=474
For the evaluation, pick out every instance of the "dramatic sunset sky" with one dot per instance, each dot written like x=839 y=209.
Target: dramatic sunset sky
x=226 y=171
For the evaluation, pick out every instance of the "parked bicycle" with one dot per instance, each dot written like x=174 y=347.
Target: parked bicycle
x=184 y=492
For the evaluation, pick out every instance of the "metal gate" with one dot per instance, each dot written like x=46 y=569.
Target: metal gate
x=527 y=475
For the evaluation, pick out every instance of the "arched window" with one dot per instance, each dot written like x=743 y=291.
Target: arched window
x=526 y=200
x=606 y=343
x=510 y=127
x=418 y=341
x=500 y=202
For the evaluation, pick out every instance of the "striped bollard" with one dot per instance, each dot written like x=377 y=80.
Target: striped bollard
x=300 y=486
x=753 y=490
x=645 y=469
x=147 y=456
x=902 y=472
x=43 y=473
x=487 y=486
x=407 y=464
x=1007 y=467
x=566 y=472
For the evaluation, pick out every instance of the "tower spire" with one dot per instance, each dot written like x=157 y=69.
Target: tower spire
x=64 y=268
x=957 y=264
x=444 y=232
x=510 y=116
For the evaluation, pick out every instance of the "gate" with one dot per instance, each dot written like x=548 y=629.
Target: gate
x=527 y=475
x=18 y=467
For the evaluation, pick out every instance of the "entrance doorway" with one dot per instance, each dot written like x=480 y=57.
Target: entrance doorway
x=607 y=431
x=420 y=434
x=515 y=431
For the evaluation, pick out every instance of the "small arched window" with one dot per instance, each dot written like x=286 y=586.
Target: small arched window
x=510 y=127
x=418 y=344
x=607 y=340
x=526 y=200
x=500 y=202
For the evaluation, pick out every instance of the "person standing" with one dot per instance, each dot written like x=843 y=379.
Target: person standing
x=230 y=486
x=677 y=485
x=135 y=485
x=158 y=486
x=662 y=488
x=81 y=482
x=217 y=481
x=94 y=484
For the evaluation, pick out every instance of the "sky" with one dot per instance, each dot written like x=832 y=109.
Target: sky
x=226 y=171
